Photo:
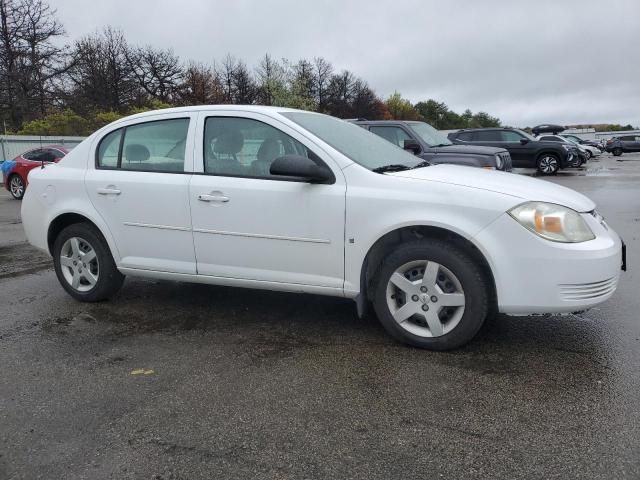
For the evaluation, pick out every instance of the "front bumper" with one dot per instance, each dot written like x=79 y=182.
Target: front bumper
x=534 y=275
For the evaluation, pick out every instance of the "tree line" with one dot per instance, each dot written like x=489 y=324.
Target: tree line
x=47 y=88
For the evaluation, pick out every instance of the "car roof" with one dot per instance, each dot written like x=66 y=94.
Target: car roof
x=483 y=129
x=383 y=122
x=198 y=108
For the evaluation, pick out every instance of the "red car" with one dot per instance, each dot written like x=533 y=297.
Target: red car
x=15 y=180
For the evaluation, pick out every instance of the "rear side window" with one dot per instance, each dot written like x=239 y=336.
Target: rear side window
x=157 y=146
x=108 y=150
x=465 y=136
x=489 y=136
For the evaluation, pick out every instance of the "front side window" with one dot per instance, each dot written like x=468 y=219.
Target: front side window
x=157 y=146
x=430 y=135
x=246 y=148
x=510 y=136
x=395 y=135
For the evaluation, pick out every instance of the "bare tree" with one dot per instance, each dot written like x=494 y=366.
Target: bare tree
x=158 y=72
x=270 y=76
x=101 y=76
x=29 y=58
x=200 y=86
x=322 y=72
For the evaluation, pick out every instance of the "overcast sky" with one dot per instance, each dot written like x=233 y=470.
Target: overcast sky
x=527 y=62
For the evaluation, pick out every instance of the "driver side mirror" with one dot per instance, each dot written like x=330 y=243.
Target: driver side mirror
x=524 y=141
x=301 y=167
x=412 y=146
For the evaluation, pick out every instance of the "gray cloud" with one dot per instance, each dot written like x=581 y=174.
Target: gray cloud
x=573 y=61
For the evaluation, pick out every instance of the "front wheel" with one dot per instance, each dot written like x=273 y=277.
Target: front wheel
x=84 y=265
x=589 y=154
x=431 y=294
x=16 y=186
x=617 y=152
x=548 y=164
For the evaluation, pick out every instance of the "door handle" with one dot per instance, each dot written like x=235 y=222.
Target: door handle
x=204 y=197
x=108 y=191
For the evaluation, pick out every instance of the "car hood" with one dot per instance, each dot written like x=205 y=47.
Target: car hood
x=521 y=187
x=468 y=149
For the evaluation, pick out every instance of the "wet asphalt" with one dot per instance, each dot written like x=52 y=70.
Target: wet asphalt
x=179 y=381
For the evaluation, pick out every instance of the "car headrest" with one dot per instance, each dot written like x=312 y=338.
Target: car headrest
x=229 y=142
x=136 y=153
x=269 y=150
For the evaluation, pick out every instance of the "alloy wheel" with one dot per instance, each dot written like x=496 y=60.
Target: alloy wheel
x=548 y=165
x=425 y=298
x=79 y=264
x=16 y=186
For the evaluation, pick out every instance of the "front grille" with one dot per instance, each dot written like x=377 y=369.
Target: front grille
x=588 y=291
x=506 y=161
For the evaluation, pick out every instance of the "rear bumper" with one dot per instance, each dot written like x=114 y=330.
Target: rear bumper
x=534 y=275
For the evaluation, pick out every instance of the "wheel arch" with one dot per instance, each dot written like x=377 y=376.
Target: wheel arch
x=385 y=243
x=549 y=152
x=64 y=219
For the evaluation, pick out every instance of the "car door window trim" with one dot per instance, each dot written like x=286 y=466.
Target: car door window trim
x=258 y=177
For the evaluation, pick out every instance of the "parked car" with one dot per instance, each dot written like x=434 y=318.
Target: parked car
x=15 y=180
x=525 y=150
x=426 y=142
x=590 y=150
x=282 y=199
x=592 y=143
x=584 y=150
x=623 y=144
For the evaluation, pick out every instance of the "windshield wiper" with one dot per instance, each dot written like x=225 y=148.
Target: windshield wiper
x=421 y=165
x=394 y=167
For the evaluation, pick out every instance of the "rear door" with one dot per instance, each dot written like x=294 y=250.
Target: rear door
x=140 y=186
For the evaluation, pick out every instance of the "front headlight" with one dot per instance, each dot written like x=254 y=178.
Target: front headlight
x=553 y=222
x=499 y=162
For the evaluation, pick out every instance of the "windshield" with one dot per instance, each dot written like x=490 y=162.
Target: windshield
x=356 y=143
x=570 y=140
x=430 y=135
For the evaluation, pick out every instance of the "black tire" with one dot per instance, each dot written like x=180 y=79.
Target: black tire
x=109 y=278
x=548 y=164
x=17 y=193
x=617 y=152
x=471 y=277
x=577 y=162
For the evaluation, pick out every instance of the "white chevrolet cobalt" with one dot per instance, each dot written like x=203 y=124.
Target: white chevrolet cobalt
x=281 y=199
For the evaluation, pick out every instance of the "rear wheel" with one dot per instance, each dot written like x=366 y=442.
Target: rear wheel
x=16 y=186
x=617 y=151
x=548 y=164
x=84 y=265
x=431 y=294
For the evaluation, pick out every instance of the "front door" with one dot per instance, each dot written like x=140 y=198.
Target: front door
x=141 y=189
x=251 y=225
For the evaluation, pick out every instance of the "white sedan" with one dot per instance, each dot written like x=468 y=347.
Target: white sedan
x=281 y=199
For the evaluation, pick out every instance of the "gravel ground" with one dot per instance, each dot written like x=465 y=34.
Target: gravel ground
x=180 y=381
